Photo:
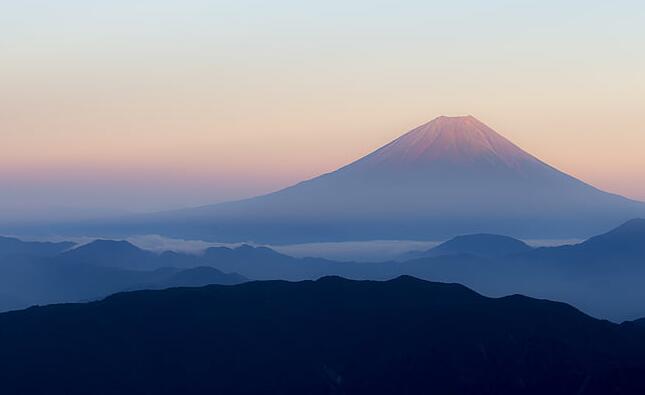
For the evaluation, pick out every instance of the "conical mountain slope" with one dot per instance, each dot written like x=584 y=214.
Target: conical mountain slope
x=453 y=175
x=453 y=140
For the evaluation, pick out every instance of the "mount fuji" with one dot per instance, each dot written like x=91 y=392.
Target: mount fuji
x=450 y=176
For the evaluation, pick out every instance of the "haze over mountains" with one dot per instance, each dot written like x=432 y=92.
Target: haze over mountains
x=450 y=176
x=453 y=176
x=44 y=273
x=603 y=275
x=213 y=198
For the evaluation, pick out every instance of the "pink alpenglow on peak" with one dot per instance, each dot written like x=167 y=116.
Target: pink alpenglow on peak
x=462 y=139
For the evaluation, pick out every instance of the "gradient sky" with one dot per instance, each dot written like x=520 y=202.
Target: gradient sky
x=145 y=105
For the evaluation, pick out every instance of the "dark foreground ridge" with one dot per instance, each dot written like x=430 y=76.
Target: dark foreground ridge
x=331 y=336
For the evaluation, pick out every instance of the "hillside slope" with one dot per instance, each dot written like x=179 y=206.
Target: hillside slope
x=332 y=336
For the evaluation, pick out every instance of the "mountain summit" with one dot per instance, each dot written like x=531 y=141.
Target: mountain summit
x=450 y=176
x=458 y=140
x=449 y=148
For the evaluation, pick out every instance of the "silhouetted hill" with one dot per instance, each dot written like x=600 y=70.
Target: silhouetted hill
x=111 y=253
x=241 y=253
x=30 y=282
x=627 y=240
x=482 y=244
x=96 y=270
x=332 y=336
x=261 y=263
x=11 y=246
x=618 y=249
x=604 y=276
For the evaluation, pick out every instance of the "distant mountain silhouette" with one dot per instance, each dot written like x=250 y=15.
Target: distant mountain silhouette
x=622 y=245
x=44 y=282
x=12 y=246
x=627 y=240
x=96 y=270
x=261 y=263
x=485 y=245
x=332 y=336
x=604 y=276
x=453 y=175
x=110 y=253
